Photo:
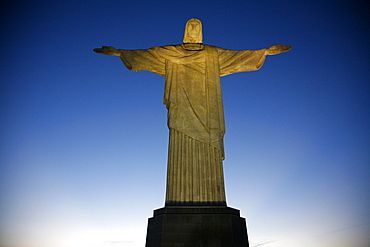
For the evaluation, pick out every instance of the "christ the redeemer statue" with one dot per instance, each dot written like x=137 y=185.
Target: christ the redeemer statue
x=195 y=111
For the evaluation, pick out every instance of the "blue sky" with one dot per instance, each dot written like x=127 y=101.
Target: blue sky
x=84 y=140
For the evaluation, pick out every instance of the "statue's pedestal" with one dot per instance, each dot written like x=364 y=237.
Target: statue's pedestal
x=196 y=226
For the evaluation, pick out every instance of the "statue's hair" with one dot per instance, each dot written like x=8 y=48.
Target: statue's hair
x=187 y=38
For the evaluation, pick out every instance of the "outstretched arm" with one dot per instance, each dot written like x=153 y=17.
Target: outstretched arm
x=108 y=50
x=277 y=49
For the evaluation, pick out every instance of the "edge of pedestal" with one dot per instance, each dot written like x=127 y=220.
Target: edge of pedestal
x=196 y=210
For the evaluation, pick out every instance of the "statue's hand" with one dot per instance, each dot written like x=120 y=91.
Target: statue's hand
x=108 y=50
x=277 y=49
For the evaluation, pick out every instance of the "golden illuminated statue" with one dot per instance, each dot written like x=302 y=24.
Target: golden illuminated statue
x=195 y=111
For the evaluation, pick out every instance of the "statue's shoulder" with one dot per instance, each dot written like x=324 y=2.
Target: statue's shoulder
x=170 y=47
x=212 y=47
x=165 y=48
x=217 y=47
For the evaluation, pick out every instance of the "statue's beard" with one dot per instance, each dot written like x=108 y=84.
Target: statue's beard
x=192 y=40
x=195 y=40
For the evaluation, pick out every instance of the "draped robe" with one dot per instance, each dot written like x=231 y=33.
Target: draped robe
x=195 y=114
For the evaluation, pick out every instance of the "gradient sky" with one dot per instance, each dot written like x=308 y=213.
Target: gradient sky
x=84 y=140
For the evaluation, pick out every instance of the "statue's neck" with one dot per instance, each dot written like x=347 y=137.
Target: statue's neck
x=193 y=46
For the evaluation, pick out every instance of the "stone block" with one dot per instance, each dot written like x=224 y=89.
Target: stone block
x=197 y=226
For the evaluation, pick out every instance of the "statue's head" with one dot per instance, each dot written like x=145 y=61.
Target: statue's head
x=193 y=31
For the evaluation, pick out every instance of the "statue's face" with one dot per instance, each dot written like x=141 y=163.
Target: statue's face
x=193 y=29
x=193 y=32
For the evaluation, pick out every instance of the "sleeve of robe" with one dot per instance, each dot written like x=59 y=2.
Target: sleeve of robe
x=240 y=61
x=144 y=59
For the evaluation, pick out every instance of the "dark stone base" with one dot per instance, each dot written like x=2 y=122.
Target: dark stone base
x=196 y=226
